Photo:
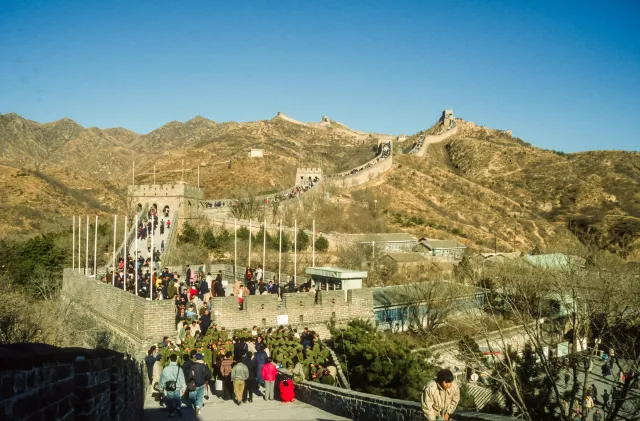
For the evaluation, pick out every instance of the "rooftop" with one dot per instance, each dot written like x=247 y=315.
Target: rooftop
x=337 y=273
x=383 y=237
x=441 y=244
x=421 y=291
x=407 y=257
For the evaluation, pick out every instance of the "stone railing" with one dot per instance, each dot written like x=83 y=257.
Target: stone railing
x=363 y=406
x=43 y=382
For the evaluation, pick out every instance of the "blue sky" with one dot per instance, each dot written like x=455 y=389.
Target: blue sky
x=561 y=75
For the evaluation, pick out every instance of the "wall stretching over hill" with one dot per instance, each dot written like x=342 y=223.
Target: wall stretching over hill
x=134 y=318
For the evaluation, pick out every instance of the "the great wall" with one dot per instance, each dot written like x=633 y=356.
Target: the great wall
x=47 y=383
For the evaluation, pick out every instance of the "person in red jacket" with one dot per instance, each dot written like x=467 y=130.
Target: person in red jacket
x=269 y=372
x=286 y=391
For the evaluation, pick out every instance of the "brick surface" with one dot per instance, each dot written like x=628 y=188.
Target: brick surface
x=107 y=386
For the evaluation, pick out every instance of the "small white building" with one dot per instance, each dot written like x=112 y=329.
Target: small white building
x=256 y=153
x=329 y=278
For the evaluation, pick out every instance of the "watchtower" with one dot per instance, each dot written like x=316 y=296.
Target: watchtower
x=182 y=198
x=447 y=118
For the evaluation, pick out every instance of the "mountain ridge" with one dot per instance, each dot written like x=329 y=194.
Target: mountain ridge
x=465 y=187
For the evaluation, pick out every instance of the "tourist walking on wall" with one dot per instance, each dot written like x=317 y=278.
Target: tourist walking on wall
x=251 y=384
x=225 y=372
x=239 y=374
x=440 y=397
x=149 y=361
x=261 y=358
x=269 y=372
x=172 y=382
x=588 y=404
x=201 y=375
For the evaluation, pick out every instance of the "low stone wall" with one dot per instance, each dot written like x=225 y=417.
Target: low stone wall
x=301 y=309
x=43 y=382
x=360 y=406
x=134 y=318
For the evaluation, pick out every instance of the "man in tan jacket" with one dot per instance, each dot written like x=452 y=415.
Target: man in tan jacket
x=440 y=397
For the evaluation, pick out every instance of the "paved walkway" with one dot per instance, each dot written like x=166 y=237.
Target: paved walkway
x=218 y=409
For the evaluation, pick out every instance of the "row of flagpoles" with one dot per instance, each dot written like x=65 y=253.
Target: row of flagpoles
x=86 y=270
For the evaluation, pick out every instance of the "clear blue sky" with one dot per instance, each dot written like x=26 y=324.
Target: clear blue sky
x=560 y=74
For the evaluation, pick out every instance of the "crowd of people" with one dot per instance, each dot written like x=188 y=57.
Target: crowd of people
x=384 y=151
x=417 y=145
x=237 y=365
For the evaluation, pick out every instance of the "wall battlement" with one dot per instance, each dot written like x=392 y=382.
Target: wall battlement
x=303 y=174
x=165 y=190
x=301 y=309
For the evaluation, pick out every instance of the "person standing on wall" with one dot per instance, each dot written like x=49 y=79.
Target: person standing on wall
x=172 y=382
x=440 y=397
x=201 y=375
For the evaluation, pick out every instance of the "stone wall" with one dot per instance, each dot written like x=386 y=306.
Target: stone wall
x=42 y=382
x=303 y=174
x=430 y=139
x=182 y=198
x=134 y=318
x=360 y=406
x=301 y=308
x=366 y=175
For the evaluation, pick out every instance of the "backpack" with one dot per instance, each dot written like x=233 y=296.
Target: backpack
x=191 y=381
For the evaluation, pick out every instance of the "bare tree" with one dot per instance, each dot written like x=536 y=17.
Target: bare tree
x=428 y=304
x=591 y=305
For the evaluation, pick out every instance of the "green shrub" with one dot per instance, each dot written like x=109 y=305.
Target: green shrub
x=322 y=244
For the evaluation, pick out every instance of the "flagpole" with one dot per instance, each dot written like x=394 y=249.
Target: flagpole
x=86 y=252
x=295 y=252
x=152 y=265
x=280 y=253
x=79 y=244
x=135 y=261
x=249 y=243
x=264 y=247
x=73 y=242
x=115 y=223
x=95 y=249
x=313 y=245
x=124 y=255
x=235 y=247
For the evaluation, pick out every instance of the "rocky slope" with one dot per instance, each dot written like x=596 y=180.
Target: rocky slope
x=481 y=186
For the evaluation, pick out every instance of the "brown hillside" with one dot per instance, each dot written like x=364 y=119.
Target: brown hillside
x=481 y=186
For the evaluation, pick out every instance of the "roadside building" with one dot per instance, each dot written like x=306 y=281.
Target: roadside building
x=400 y=307
x=449 y=249
x=387 y=242
x=330 y=278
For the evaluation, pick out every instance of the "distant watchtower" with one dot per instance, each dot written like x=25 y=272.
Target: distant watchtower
x=447 y=119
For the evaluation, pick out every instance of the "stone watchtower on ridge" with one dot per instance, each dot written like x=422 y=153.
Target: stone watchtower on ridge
x=180 y=198
x=447 y=119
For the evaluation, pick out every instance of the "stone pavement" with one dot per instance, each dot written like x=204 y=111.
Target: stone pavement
x=219 y=410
